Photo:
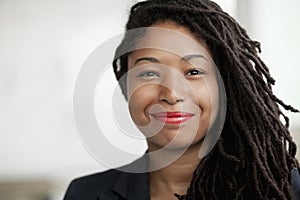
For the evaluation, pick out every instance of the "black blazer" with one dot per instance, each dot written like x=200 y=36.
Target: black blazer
x=119 y=185
x=110 y=185
x=114 y=184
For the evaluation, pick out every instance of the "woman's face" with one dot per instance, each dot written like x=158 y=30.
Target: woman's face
x=172 y=87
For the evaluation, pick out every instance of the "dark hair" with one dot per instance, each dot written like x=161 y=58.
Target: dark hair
x=255 y=153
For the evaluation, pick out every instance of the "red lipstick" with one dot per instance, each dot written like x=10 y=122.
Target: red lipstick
x=172 y=117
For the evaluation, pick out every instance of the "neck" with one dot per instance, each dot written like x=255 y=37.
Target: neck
x=177 y=176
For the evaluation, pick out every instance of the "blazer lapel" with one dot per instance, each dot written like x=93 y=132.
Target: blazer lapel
x=130 y=186
x=108 y=196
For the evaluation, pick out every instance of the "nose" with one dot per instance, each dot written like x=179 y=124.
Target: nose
x=169 y=97
x=172 y=90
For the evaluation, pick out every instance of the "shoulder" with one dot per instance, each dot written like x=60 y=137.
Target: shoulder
x=102 y=177
x=91 y=186
x=127 y=182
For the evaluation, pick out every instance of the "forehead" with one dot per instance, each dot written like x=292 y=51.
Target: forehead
x=173 y=38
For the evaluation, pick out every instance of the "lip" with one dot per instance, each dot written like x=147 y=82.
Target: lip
x=172 y=117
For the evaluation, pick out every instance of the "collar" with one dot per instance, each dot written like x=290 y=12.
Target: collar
x=130 y=185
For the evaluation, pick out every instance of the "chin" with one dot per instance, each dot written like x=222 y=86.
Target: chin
x=175 y=144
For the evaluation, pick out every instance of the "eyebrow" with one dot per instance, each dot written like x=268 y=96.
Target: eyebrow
x=151 y=59
x=189 y=57
x=186 y=58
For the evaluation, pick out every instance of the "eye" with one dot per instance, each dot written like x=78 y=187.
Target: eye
x=148 y=74
x=195 y=72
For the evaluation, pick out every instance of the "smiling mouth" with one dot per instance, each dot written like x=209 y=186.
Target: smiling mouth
x=172 y=117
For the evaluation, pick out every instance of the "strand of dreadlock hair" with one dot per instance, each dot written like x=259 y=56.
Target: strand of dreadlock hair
x=250 y=157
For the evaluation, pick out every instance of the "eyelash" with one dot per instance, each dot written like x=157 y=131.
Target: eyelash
x=199 y=72
x=148 y=74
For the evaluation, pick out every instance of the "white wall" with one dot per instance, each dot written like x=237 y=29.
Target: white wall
x=276 y=25
x=43 y=45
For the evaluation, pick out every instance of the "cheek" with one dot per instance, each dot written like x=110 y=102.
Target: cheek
x=207 y=96
x=139 y=103
x=214 y=97
x=203 y=95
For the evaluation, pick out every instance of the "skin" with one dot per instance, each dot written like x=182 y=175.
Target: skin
x=184 y=82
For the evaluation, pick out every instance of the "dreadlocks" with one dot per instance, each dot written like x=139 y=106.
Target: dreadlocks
x=255 y=153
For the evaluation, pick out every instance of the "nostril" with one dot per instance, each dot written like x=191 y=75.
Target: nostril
x=172 y=100
x=170 y=96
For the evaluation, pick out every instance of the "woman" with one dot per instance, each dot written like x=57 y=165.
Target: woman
x=175 y=99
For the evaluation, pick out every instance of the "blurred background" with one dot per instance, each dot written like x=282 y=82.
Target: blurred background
x=43 y=44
